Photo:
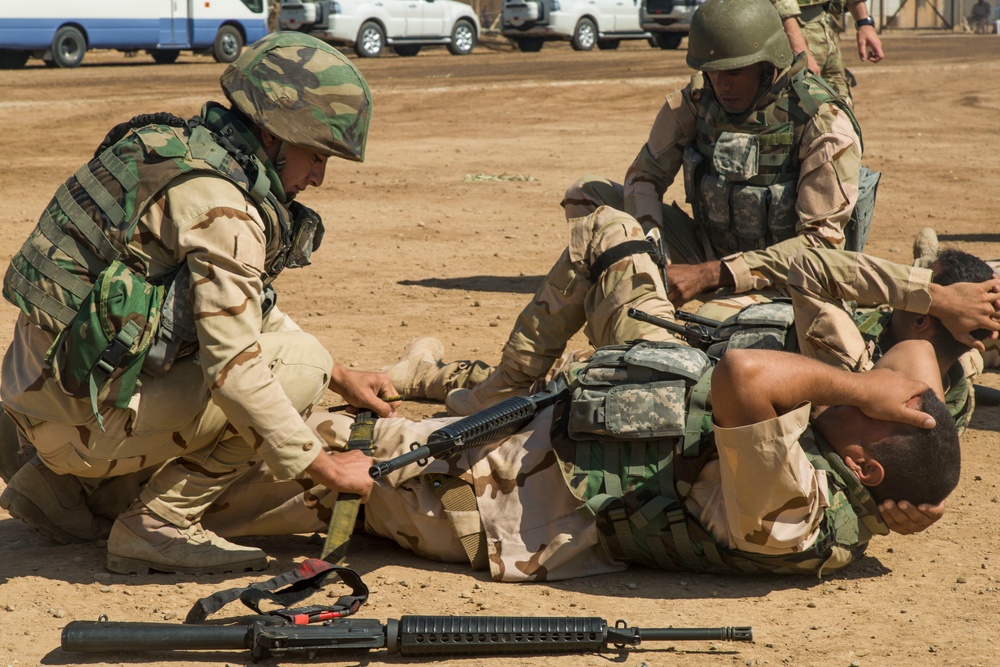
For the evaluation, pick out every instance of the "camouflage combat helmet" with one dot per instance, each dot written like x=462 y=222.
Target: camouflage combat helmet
x=729 y=34
x=304 y=92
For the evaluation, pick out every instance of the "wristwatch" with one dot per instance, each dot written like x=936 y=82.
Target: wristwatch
x=865 y=21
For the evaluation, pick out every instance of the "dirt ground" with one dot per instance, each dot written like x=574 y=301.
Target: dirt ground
x=446 y=230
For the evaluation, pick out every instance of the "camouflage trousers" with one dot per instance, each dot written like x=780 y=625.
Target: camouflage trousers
x=824 y=45
x=524 y=512
x=176 y=445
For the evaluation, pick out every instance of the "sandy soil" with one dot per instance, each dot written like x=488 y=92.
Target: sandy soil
x=418 y=245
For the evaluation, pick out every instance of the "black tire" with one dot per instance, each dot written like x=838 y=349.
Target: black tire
x=584 y=35
x=463 y=38
x=228 y=44
x=529 y=44
x=68 y=47
x=608 y=44
x=406 y=50
x=165 y=56
x=13 y=59
x=669 y=40
x=371 y=40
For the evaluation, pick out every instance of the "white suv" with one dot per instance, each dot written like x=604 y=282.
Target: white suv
x=372 y=25
x=585 y=23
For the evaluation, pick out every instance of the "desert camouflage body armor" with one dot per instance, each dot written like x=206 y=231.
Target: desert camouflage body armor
x=741 y=177
x=635 y=482
x=66 y=275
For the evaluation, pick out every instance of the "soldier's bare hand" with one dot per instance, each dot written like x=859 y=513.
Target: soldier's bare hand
x=344 y=472
x=686 y=281
x=869 y=45
x=905 y=518
x=363 y=389
x=891 y=396
x=964 y=308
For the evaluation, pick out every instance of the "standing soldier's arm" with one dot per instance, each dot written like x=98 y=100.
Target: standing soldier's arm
x=830 y=159
x=869 y=44
x=789 y=12
x=660 y=159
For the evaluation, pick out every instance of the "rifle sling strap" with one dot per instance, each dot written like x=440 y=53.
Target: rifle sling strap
x=299 y=584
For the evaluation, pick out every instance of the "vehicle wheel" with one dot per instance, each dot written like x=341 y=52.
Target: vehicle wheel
x=669 y=40
x=68 y=47
x=13 y=59
x=463 y=38
x=228 y=44
x=584 y=35
x=608 y=44
x=529 y=44
x=407 y=49
x=165 y=56
x=371 y=40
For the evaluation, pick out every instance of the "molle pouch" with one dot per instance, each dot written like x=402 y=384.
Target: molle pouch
x=176 y=336
x=735 y=156
x=694 y=165
x=715 y=200
x=781 y=215
x=635 y=391
x=749 y=210
x=760 y=326
x=101 y=352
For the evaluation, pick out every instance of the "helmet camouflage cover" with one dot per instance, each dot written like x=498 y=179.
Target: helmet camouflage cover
x=730 y=34
x=303 y=91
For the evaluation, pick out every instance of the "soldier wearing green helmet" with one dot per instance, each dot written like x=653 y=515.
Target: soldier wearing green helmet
x=771 y=163
x=149 y=346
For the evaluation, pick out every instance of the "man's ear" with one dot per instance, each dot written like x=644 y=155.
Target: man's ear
x=923 y=324
x=867 y=469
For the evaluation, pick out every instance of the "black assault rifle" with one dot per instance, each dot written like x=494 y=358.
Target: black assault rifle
x=489 y=425
x=409 y=636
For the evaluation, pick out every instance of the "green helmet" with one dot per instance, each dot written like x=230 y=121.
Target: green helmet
x=304 y=92
x=730 y=34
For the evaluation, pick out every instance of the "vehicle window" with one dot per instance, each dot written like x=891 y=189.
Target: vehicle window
x=256 y=6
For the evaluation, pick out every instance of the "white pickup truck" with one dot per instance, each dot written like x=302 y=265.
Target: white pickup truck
x=372 y=25
x=601 y=23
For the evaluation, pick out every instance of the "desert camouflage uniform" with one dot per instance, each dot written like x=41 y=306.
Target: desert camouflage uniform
x=241 y=397
x=819 y=29
x=536 y=527
x=824 y=282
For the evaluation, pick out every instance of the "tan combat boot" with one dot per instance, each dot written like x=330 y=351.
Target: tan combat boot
x=142 y=542
x=420 y=373
x=925 y=247
x=54 y=505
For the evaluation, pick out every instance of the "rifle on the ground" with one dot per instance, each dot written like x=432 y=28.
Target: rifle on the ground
x=408 y=636
x=489 y=425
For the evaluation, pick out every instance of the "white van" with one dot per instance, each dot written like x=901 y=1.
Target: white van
x=372 y=25
x=584 y=23
x=668 y=20
x=61 y=31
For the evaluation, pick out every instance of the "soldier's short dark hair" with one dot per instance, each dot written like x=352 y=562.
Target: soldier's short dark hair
x=921 y=465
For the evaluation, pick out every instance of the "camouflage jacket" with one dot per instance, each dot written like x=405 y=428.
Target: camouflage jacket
x=162 y=198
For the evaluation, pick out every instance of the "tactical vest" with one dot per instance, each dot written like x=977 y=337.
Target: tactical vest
x=76 y=274
x=635 y=483
x=741 y=178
